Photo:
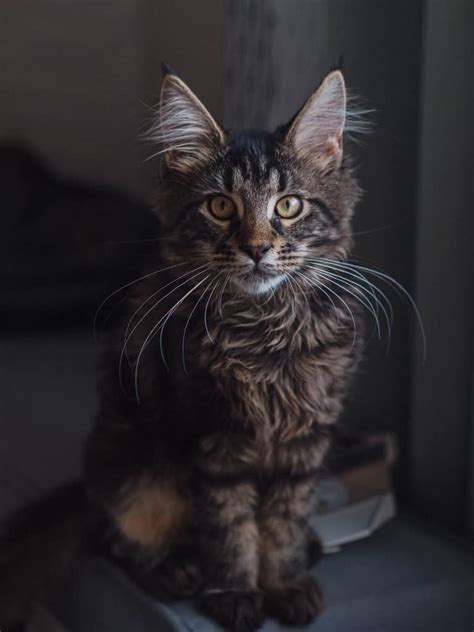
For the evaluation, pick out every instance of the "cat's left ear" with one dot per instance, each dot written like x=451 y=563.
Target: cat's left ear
x=186 y=131
x=316 y=132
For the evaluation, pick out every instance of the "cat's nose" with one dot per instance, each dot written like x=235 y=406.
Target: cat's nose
x=256 y=251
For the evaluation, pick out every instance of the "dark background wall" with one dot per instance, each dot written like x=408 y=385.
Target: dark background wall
x=443 y=428
x=71 y=85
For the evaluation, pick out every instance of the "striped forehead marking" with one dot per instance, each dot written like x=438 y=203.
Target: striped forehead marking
x=262 y=175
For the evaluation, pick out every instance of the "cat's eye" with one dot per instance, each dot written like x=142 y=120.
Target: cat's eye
x=222 y=207
x=289 y=206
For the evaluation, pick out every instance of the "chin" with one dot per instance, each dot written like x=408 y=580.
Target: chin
x=254 y=284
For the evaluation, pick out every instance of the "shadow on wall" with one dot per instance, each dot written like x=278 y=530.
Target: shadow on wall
x=64 y=244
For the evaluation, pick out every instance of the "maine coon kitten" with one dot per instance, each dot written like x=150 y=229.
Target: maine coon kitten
x=220 y=389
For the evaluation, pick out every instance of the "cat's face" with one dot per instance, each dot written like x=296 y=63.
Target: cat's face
x=255 y=208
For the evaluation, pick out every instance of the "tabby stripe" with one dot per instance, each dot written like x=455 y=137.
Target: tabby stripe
x=228 y=479
x=326 y=211
x=282 y=181
x=228 y=179
x=215 y=526
x=285 y=475
x=288 y=477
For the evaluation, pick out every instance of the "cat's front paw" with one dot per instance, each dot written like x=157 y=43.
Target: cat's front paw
x=178 y=579
x=238 y=611
x=298 y=603
x=178 y=576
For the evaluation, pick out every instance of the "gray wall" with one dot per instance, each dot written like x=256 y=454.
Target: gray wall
x=78 y=77
x=70 y=83
x=442 y=429
x=188 y=36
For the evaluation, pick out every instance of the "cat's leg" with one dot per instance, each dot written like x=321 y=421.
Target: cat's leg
x=132 y=481
x=290 y=593
x=229 y=545
x=314 y=546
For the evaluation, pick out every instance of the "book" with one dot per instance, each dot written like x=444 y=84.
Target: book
x=354 y=495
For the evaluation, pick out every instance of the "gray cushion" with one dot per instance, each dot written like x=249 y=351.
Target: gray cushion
x=402 y=579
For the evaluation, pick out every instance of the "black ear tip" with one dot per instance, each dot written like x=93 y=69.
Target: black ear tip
x=339 y=66
x=166 y=69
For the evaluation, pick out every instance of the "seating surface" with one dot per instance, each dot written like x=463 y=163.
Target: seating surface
x=402 y=579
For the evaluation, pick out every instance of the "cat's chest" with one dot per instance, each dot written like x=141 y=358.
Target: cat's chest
x=269 y=372
x=251 y=349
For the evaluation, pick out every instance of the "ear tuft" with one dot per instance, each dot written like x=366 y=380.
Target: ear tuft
x=316 y=132
x=166 y=69
x=187 y=134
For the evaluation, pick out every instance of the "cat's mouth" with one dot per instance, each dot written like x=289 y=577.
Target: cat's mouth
x=258 y=273
x=258 y=280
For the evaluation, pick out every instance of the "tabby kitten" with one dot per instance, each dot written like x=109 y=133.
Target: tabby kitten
x=220 y=389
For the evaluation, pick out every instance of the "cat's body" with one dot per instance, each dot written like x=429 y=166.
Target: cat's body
x=229 y=450
x=221 y=387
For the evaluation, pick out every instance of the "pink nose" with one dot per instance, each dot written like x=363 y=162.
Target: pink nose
x=257 y=251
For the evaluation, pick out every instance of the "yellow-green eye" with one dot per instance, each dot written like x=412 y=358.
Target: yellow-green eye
x=222 y=207
x=289 y=206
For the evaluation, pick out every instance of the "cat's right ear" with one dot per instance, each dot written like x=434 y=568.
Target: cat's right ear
x=186 y=132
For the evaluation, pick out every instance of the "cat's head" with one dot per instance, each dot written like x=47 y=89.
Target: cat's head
x=249 y=206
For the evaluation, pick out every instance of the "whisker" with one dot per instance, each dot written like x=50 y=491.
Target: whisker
x=129 y=336
x=325 y=289
x=273 y=294
x=377 y=229
x=181 y=147
x=206 y=308
x=183 y=343
x=222 y=292
x=170 y=313
x=405 y=293
x=302 y=290
x=358 y=275
x=109 y=315
x=293 y=280
x=372 y=288
x=124 y=287
x=361 y=298
x=321 y=289
x=163 y=287
x=154 y=331
x=288 y=281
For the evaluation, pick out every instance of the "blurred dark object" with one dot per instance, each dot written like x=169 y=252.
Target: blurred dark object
x=362 y=464
x=355 y=496
x=355 y=450
x=64 y=245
